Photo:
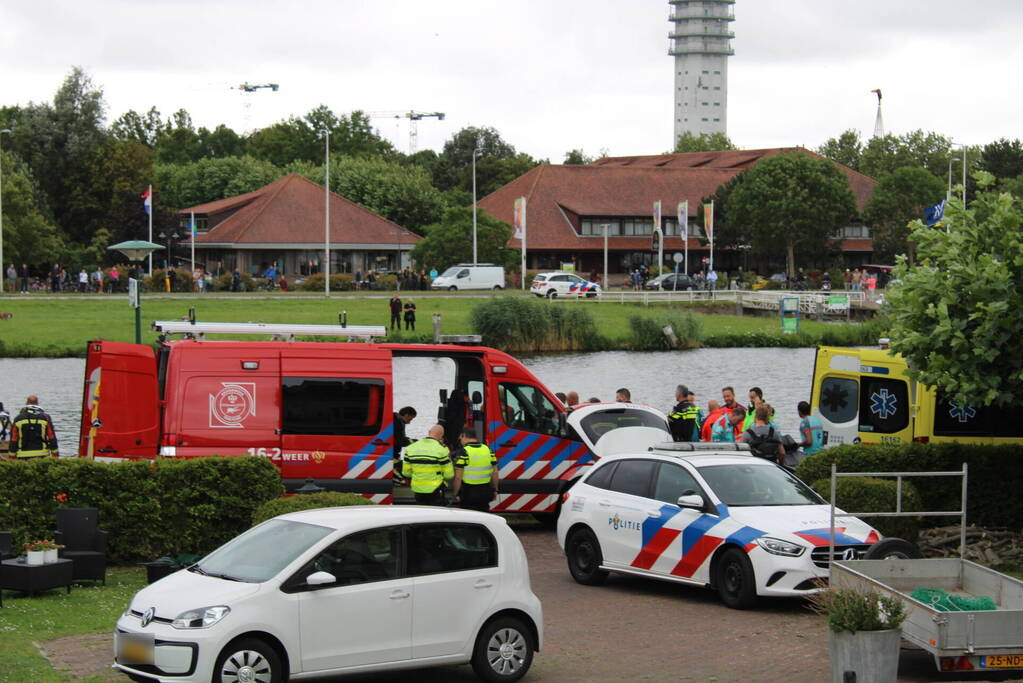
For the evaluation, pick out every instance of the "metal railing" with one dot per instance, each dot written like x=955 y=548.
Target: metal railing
x=961 y=513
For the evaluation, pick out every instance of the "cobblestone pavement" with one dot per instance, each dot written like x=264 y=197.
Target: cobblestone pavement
x=629 y=629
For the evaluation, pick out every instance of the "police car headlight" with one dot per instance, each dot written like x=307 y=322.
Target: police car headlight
x=202 y=617
x=776 y=546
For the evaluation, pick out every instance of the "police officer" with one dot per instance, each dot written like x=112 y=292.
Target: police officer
x=428 y=465
x=476 y=473
x=401 y=440
x=683 y=417
x=32 y=434
x=5 y=430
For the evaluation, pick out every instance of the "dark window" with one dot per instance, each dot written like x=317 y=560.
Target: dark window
x=360 y=558
x=329 y=406
x=838 y=400
x=672 y=481
x=601 y=478
x=633 y=477
x=435 y=548
x=525 y=407
x=951 y=419
x=884 y=405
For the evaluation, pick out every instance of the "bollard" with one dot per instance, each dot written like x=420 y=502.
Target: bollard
x=436 y=328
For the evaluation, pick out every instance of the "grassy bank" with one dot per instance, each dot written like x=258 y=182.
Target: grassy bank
x=42 y=327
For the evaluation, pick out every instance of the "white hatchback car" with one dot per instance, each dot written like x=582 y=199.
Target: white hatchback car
x=340 y=590
x=560 y=283
x=704 y=514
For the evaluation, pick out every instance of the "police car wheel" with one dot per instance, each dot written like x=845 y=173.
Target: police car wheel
x=735 y=580
x=585 y=558
x=250 y=660
x=452 y=288
x=552 y=294
x=503 y=651
x=893 y=549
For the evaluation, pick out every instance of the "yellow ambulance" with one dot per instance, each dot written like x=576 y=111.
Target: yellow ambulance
x=865 y=396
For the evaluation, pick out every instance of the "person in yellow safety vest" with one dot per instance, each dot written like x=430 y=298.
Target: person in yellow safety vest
x=428 y=465
x=476 y=473
x=683 y=418
x=32 y=434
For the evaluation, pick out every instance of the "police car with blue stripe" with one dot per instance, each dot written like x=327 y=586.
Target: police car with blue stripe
x=562 y=283
x=708 y=515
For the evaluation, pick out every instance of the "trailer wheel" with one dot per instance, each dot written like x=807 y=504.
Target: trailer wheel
x=893 y=549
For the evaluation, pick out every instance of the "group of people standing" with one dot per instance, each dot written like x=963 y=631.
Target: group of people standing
x=57 y=280
x=729 y=421
x=428 y=466
x=408 y=309
x=30 y=434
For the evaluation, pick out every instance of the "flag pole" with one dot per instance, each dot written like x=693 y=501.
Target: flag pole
x=523 y=278
x=712 y=235
x=192 y=226
x=150 y=227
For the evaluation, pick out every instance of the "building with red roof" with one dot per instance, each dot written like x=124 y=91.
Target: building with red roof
x=283 y=224
x=567 y=207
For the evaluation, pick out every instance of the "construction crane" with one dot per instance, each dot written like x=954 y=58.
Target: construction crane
x=251 y=88
x=414 y=117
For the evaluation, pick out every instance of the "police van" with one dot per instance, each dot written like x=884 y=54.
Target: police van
x=866 y=396
x=323 y=410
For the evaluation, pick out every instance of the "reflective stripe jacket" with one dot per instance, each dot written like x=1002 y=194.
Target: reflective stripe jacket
x=477 y=463
x=32 y=433
x=427 y=464
x=682 y=421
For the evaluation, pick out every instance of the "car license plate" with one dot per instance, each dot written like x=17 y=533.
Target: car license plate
x=135 y=648
x=1002 y=661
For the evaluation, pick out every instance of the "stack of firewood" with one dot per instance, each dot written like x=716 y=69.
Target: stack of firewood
x=992 y=546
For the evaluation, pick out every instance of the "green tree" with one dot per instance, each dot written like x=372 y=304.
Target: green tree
x=957 y=314
x=497 y=162
x=450 y=241
x=145 y=129
x=703 y=142
x=917 y=148
x=899 y=198
x=402 y=194
x=576 y=157
x=791 y=202
x=1003 y=159
x=846 y=149
x=207 y=180
x=29 y=236
x=301 y=139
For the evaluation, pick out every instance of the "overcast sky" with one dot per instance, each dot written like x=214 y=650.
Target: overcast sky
x=549 y=75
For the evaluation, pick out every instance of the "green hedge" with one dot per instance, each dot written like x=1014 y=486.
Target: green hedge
x=995 y=473
x=149 y=509
x=868 y=494
x=310 y=501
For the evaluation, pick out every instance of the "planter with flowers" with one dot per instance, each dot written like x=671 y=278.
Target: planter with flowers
x=866 y=630
x=41 y=552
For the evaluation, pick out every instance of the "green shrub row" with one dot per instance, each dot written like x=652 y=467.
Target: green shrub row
x=994 y=476
x=868 y=494
x=530 y=325
x=646 y=333
x=343 y=282
x=149 y=509
x=311 y=501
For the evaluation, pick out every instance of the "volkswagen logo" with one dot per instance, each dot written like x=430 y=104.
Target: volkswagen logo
x=847 y=554
x=148 y=616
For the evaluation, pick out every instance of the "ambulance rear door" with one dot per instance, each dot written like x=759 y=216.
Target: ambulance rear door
x=836 y=394
x=337 y=423
x=120 y=402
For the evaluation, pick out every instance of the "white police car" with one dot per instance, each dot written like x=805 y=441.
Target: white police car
x=340 y=590
x=703 y=514
x=560 y=283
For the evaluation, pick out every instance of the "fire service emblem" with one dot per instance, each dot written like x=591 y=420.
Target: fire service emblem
x=232 y=405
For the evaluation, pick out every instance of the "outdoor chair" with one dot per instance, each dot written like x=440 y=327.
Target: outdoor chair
x=84 y=543
x=6 y=540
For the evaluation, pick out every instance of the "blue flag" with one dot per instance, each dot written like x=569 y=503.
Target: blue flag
x=934 y=214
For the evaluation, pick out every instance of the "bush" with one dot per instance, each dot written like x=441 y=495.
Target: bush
x=157 y=281
x=339 y=282
x=149 y=508
x=868 y=494
x=994 y=473
x=521 y=324
x=311 y=501
x=849 y=609
x=223 y=283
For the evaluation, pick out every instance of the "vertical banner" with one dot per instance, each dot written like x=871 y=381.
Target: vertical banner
x=683 y=230
x=708 y=224
x=520 y=233
x=657 y=216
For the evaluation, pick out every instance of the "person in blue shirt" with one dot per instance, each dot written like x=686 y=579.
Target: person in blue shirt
x=810 y=429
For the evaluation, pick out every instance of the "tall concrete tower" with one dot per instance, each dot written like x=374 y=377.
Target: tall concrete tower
x=701 y=45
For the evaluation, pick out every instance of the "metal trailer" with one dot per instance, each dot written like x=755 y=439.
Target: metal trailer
x=959 y=641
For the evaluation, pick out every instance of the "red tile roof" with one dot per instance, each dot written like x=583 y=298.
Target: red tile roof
x=290 y=211
x=626 y=186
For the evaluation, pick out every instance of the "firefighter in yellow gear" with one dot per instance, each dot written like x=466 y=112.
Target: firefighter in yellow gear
x=428 y=465
x=32 y=434
x=476 y=473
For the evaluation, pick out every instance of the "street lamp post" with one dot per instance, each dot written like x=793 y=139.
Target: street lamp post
x=3 y=274
x=326 y=213
x=136 y=252
x=170 y=237
x=475 y=151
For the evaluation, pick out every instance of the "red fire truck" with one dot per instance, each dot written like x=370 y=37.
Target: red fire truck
x=320 y=410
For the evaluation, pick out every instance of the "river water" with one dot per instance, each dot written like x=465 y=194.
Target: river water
x=783 y=374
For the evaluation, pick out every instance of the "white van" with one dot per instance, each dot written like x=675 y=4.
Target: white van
x=468 y=276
